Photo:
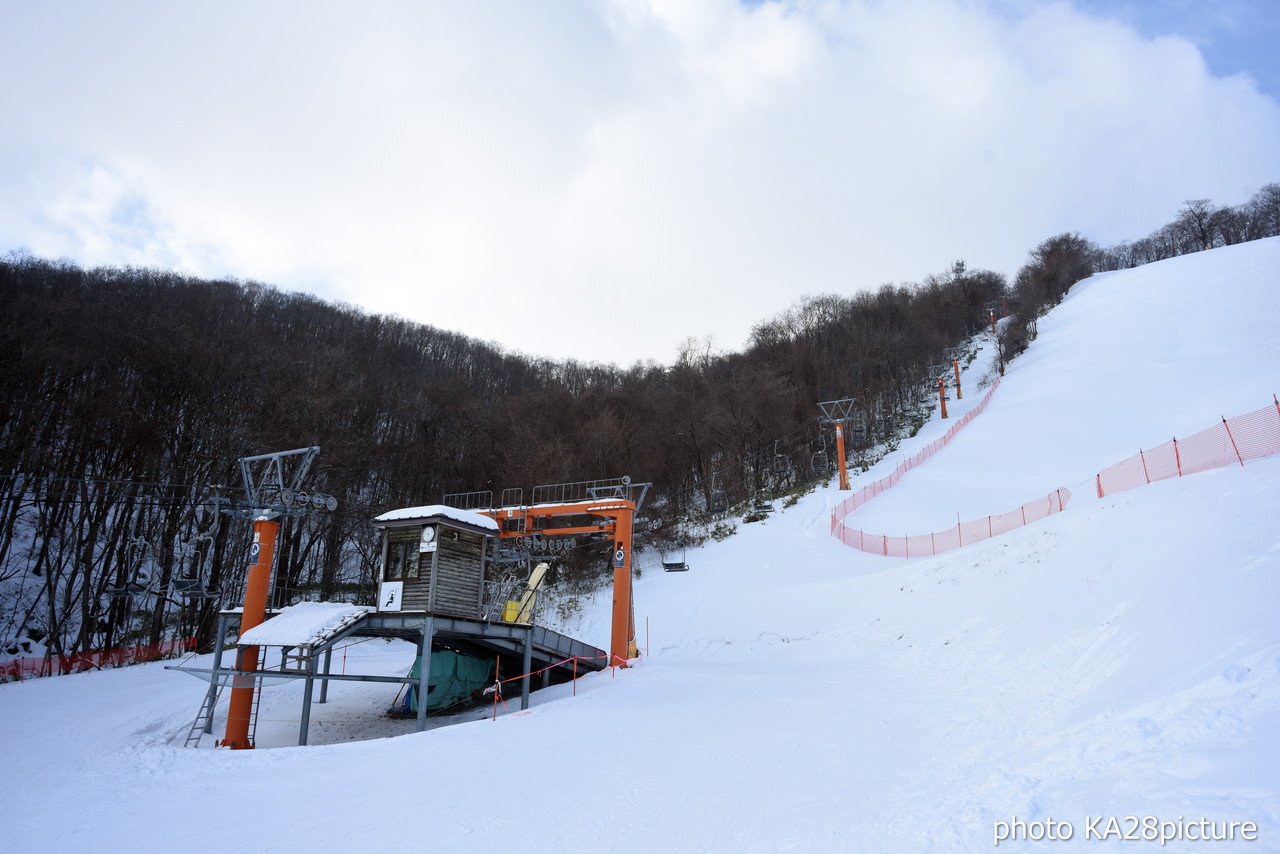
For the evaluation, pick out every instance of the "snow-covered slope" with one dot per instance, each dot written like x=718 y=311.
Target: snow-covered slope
x=1118 y=659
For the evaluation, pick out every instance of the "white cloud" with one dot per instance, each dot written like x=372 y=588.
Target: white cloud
x=604 y=180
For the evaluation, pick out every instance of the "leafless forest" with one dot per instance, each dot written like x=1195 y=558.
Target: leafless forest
x=128 y=396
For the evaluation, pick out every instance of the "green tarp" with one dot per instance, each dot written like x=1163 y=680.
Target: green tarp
x=453 y=678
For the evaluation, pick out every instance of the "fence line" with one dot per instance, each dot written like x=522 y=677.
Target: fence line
x=1245 y=437
x=964 y=533
x=57 y=665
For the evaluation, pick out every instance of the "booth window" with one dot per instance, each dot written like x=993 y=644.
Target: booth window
x=402 y=561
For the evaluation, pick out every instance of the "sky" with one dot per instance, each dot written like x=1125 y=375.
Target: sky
x=606 y=181
x=1119 y=658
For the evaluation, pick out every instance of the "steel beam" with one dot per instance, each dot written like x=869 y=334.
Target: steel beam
x=424 y=669
x=527 y=666
x=206 y=672
x=310 y=676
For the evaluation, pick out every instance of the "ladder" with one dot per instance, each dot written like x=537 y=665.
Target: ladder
x=257 y=700
x=203 y=722
x=204 y=718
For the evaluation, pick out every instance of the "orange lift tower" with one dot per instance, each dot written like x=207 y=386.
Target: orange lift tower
x=838 y=413
x=953 y=356
x=267 y=497
x=991 y=309
x=939 y=372
x=594 y=509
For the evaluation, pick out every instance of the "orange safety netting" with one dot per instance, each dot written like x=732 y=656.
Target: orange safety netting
x=26 y=668
x=1245 y=437
x=963 y=534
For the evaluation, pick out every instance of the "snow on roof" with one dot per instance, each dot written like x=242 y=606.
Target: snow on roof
x=304 y=624
x=468 y=517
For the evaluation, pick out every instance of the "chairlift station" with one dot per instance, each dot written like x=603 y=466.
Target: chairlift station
x=437 y=589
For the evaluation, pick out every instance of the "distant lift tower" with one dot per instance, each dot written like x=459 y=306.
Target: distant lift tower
x=838 y=413
x=954 y=354
x=939 y=374
x=992 y=308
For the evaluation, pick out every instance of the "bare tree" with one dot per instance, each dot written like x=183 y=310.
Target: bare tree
x=1264 y=212
x=1198 y=222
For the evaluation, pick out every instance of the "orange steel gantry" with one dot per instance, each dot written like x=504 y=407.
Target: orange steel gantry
x=612 y=517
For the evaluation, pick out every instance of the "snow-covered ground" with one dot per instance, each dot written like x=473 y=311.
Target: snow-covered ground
x=1117 y=660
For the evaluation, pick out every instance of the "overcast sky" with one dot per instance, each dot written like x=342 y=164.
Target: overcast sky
x=603 y=179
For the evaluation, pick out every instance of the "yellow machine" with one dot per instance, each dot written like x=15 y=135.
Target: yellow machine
x=521 y=610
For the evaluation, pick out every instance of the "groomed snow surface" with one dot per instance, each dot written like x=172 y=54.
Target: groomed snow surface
x=1118 y=659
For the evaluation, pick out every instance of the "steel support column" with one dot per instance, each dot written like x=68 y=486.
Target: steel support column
x=306 y=701
x=324 y=683
x=255 y=609
x=840 y=457
x=622 y=634
x=527 y=644
x=219 y=644
x=424 y=669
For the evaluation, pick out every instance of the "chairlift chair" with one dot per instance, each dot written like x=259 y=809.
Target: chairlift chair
x=717 y=500
x=129 y=588
x=670 y=563
x=820 y=464
x=142 y=574
x=193 y=583
x=781 y=464
x=193 y=587
x=763 y=502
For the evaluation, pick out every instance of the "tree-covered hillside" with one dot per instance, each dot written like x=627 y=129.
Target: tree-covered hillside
x=128 y=395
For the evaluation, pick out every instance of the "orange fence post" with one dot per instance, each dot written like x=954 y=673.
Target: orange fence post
x=1234 y=447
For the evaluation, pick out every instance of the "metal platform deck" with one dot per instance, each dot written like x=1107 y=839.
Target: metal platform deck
x=555 y=656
